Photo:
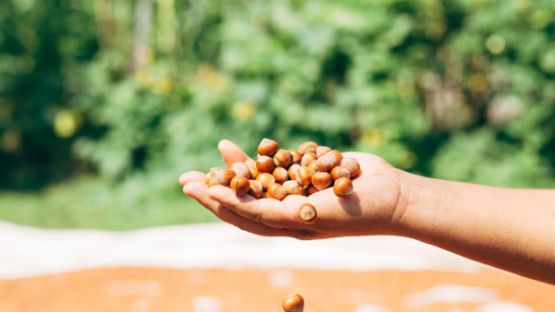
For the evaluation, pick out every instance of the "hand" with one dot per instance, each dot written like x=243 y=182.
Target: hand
x=371 y=209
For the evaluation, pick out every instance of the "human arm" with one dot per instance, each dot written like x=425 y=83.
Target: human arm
x=507 y=228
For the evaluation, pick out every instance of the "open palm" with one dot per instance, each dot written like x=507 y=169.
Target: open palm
x=370 y=209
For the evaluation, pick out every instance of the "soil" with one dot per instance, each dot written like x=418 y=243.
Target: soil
x=218 y=290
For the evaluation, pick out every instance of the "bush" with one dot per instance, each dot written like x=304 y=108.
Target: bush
x=456 y=89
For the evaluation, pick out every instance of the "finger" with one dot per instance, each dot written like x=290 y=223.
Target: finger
x=268 y=211
x=190 y=177
x=231 y=153
x=198 y=192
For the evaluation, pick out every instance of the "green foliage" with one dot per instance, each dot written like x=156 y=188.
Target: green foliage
x=455 y=89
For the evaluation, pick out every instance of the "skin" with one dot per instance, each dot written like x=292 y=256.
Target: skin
x=512 y=229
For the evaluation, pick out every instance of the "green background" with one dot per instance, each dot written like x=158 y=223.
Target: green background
x=104 y=103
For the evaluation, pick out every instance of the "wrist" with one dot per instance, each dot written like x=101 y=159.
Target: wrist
x=417 y=195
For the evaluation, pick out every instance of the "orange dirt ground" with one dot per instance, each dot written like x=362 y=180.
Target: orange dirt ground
x=159 y=289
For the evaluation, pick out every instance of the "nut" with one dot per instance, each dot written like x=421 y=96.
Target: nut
x=308 y=146
x=293 y=188
x=343 y=187
x=352 y=165
x=329 y=160
x=265 y=179
x=296 y=156
x=321 y=180
x=293 y=171
x=322 y=150
x=311 y=190
x=338 y=172
x=253 y=170
x=241 y=169
x=240 y=185
x=256 y=189
x=307 y=212
x=307 y=158
x=265 y=164
x=293 y=303
x=276 y=191
x=283 y=158
x=304 y=176
x=280 y=175
x=219 y=176
x=267 y=147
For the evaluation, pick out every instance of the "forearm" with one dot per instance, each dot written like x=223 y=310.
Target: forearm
x=512 y=229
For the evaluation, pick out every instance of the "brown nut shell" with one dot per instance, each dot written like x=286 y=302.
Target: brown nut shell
x=241 y=169
x=321 y=180
x=296 y=156
x=267 y=147
x=343 y=186
x=338 y=172
x=304 y=176
x=255 y=189
x=265 y=164
x=293 y=171
x=352 y=165
x=308 y=146
x=329 y=160
x=265 y=179
x=280 y=175
x=322 y=150
x=293 y=188
x=308 y=158
x=307 y=212
x=240 y=185
x=283 y=158
x=276 y=191
x=311 y=190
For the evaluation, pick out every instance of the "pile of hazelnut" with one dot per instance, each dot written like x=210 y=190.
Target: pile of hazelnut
x=280 y=172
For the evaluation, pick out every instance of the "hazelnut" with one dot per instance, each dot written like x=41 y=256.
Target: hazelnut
x=322 y=150
x=352 y=165
x=329 y=160
x=240 y=185
x=265 y=179
x=343 y=187
x=293 y=170
x=307 y=158
x=307 y=212
x=321 y=180
x=241 y=169
x=255 y=189
x=296 y=156
x=304 y=176
x=276 y=191
x=311 y=190
x=283 y=158
x=280 y=175
x=267 y=147
x=293 y=303
x=308 y=146
x=338 y=172
x=293 y=188
x=254 y=171
x=219 y=176
x=265 y=164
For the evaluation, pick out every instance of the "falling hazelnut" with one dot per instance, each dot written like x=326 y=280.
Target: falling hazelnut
x=293 y=303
